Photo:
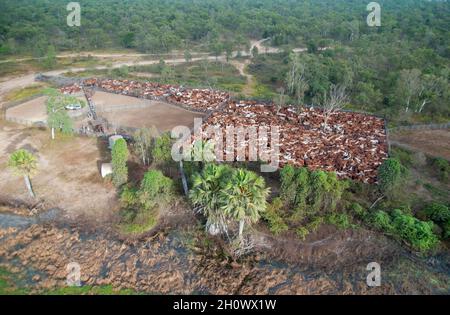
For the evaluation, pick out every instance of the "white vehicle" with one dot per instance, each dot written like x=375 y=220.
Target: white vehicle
x=73 y=107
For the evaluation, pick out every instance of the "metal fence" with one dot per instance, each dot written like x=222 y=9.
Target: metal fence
x=421 y=127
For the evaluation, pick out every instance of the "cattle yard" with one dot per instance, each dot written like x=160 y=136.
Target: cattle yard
x=353 y=145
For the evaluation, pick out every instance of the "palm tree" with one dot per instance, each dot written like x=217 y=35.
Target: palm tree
x=244 y=197
x=205 y=195
x=24 y=164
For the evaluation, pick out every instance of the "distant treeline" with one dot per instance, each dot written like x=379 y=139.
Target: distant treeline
x=161 y=25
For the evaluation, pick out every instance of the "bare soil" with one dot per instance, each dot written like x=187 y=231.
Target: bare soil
x=432 y=142
x=31 y=111
x=68 y=174
x=109 y=101
x=179 y=258
x=162 y=115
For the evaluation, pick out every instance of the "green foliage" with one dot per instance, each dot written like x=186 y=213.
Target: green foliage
x=138 y=222
x=418 y=234
x=156 y=189
x=446 y=230
x=437 y=212
x=142 y=206
x=390 y=177
x=443 y=168
x=244 y=196
x=358 y=211
x=341 y=220
x=381 y=221
x=274 y=218
x=56 y=111
x=161 y=152
x=121 y=72
x=405 y=157
x=23 y=163
x=143 y=143
x=119 y=155
x=302 y=232
x=129 y=196
x=310 y=193
x=49 y=61
x=221 y=192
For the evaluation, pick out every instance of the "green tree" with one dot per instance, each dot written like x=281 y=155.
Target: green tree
x=119 y=160
x=187 y=55
x=58 y=119
x=156 y=189
x=162 y=150
x=167 y=74
x=143 y=142
x=254 y=51
x=24 y=163
x=49 y=61
x=296 y=82
x=205 y=195
x=244 y=198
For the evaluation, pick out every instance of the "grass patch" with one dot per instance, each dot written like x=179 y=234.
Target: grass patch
x=217 y=75
x=24 y=93
x=139 y=222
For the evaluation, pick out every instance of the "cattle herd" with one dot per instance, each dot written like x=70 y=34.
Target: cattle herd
x=354 y=144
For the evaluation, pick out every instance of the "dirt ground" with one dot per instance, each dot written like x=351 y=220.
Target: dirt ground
x=34 y=110
x=161 y=115
x=432 y=142
x=31 y=111
x=178 y=260
x=68 y=172
x=109 y=101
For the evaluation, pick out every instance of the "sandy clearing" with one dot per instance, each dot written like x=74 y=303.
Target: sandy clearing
x=432 y=142
x=161 y=115
x=67 y=177
x=106 y=101
x=30 y=111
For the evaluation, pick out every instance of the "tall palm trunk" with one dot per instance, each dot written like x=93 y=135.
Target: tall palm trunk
x=53 y=133
x=241 y=229
x=28 y=184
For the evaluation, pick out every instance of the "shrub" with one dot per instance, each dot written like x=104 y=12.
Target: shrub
x=273 y=216
x=129 y=196
x=404 y=156
x=119 y=162
x=446 y=230
x=310 y=192
x=437 y=212
x=418 y=234
x=443 y=168
x=288 y=185
x=315 y=224
x=390 y=177
x=358 y=211
x=382 y=221
x=341 y=220
x=161 y=151
x=156 y=189
x=302 y=232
